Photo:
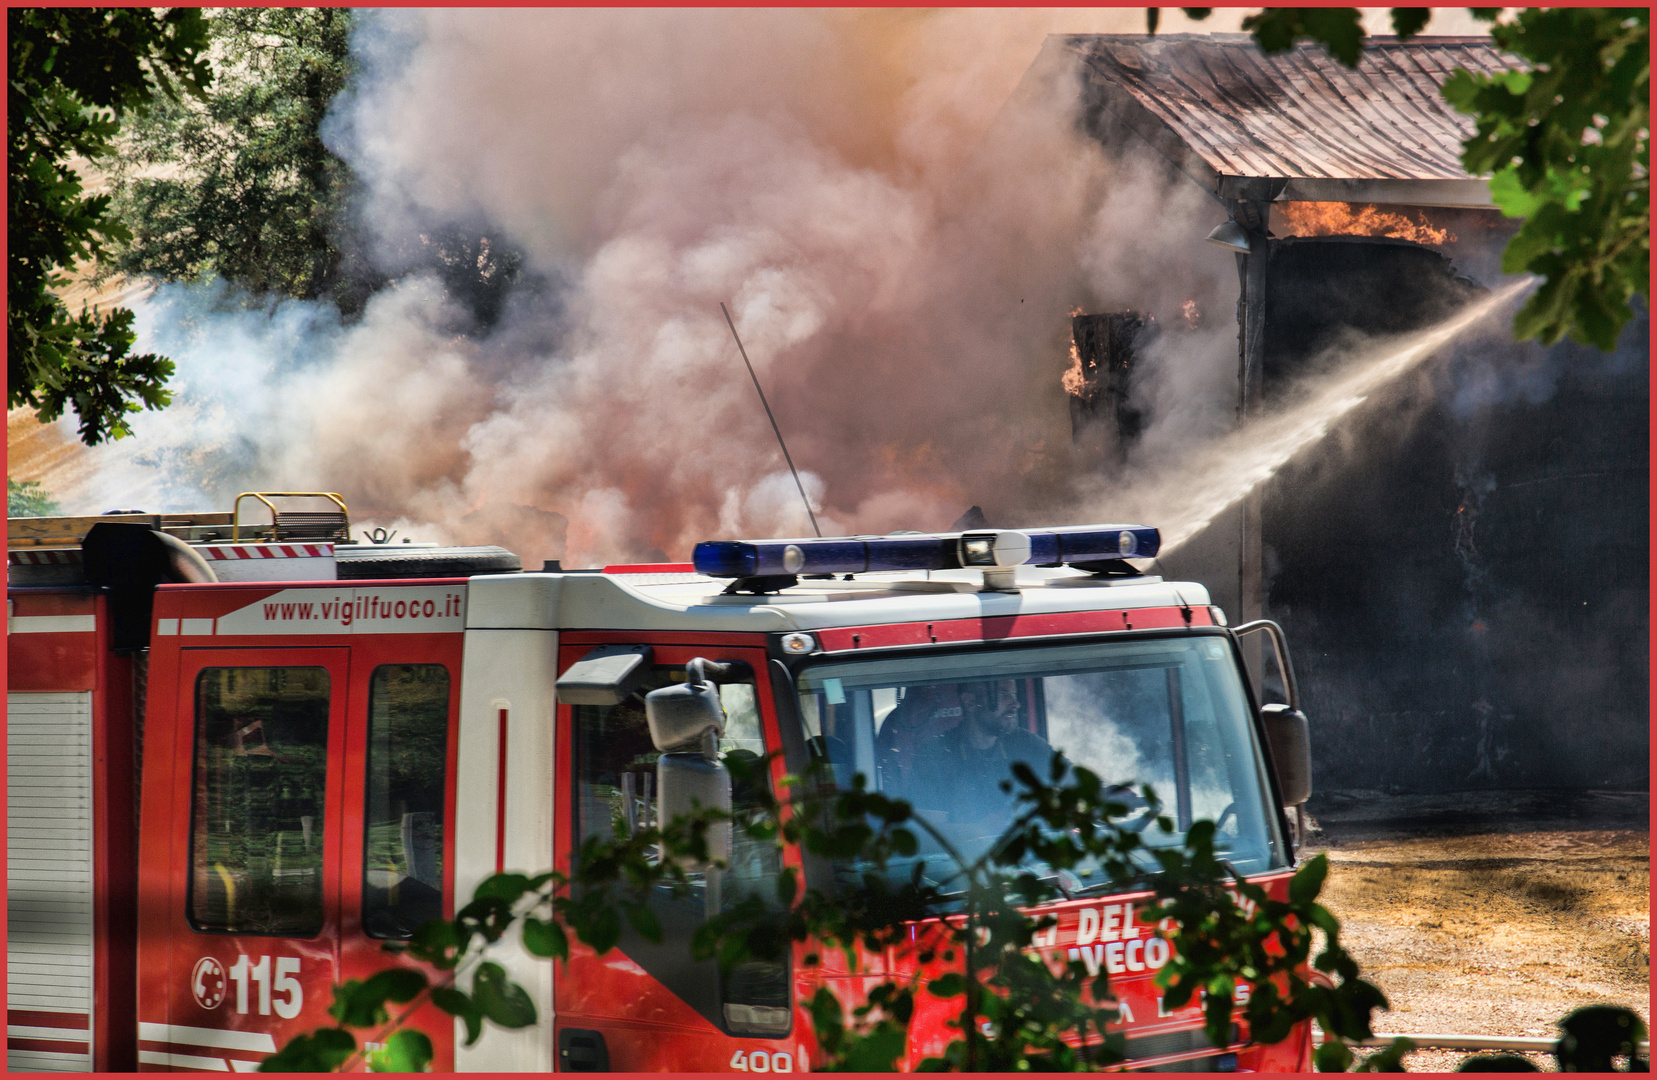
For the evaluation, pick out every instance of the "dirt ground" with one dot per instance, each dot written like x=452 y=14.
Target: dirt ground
x=1491 y=912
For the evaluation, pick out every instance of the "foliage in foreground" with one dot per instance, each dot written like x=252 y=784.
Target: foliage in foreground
x=1015 y=1009
x=74 y=73
x=1568 y=143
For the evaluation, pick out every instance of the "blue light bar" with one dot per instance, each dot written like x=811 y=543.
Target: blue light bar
x=925 y=551
x=1093 y=543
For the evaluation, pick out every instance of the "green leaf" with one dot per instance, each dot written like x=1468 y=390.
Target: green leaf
x=1338 y=29
x=1408 y=22
x=601 y=929
x=404 y=1051
x=1497 y=1063
x=1308 y=881
x=788 y=886
x=452 y=1001
x=546 y=938
x=1388 y=1059
x=877 y=1051
x=1562 y=136
x=1511 y=196
x=362 y=1003
x=1593 y=1035
x=1460 y=90
x=507 y=888
x=1332 y=1056
x=828 y=1019
x=459 y=1005
x=324 y=1050
x=644 y=921
x=500 y=999
x=401 y=985
x=949 y=985
x=357 y=1005
x=1216 y=1008
x=1518 y=83
x=75 y=77
x=434 y=941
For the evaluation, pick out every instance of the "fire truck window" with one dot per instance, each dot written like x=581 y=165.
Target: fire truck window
x=1171 y=713
x=615 y=763
x=408 y=746
x=258 y=810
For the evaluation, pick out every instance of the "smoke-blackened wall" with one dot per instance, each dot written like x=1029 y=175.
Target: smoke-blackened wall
x=1463 y=566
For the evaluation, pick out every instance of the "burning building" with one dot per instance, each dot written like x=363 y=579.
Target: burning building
x=1446 y=636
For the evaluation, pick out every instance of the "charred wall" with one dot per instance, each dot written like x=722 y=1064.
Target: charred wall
x=1319 y=290
x=1102 y=414
x=1463 y=573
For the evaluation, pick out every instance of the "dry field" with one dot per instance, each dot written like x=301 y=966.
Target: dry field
x=1492 y=912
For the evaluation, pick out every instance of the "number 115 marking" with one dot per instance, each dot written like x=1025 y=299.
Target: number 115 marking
x=288 y=1006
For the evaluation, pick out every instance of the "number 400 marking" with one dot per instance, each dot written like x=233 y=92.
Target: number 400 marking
x=759 y=1061
x=286 y=968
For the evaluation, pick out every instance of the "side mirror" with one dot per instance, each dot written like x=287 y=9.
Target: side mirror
x=608 y=675
x=686 y=781
x=682 y=717
x=1289 y=736
x=686 y=722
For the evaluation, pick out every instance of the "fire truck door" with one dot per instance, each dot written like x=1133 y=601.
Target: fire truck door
x=649 y=1006
x=256 y=837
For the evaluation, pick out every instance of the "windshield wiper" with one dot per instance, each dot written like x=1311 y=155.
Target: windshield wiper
x=1098 y=887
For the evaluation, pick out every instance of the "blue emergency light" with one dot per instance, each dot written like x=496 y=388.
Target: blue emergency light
x=980 y=549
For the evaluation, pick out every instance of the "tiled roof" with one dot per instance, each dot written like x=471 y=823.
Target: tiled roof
x=1236 y=112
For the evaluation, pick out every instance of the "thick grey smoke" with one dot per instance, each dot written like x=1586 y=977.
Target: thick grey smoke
x=899 y=234
x=895 y=275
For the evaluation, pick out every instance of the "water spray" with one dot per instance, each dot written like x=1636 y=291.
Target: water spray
x=1224 y=472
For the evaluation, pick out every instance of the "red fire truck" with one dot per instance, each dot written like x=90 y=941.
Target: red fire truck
x=245 y=760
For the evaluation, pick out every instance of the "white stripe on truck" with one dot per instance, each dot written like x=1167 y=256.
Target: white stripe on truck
x=51 y=624
x=258 y=1042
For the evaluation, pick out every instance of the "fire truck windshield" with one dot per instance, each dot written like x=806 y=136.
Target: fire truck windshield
x=943 y=732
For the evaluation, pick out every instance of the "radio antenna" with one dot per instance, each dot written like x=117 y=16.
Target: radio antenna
x=771 y=418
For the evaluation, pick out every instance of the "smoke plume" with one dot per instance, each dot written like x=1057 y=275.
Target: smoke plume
x=898 y=210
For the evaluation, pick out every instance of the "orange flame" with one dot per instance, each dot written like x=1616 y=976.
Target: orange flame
x=1074 y=379
x=1359 y=219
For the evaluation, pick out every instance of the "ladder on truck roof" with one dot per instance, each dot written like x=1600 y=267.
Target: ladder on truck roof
x=297 y=524
x=197 y=528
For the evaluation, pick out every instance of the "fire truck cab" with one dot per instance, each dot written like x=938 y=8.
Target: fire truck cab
x=242 y=773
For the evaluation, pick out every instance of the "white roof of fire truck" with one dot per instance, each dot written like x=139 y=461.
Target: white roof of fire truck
x=620 y=600
x=797 y=585
x=753 y=585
